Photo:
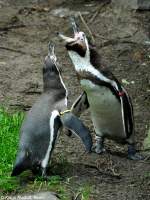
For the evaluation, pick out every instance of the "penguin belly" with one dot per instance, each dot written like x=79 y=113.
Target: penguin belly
x=105 y=111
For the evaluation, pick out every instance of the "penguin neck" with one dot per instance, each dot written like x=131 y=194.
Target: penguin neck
x=91 y=64
x=83 y=64
x=54 y=83
x=80 y=63
x=49 y=84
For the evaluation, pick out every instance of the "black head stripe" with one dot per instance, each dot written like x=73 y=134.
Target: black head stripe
x=77 y=48
x=97 y=81
x=95 y=58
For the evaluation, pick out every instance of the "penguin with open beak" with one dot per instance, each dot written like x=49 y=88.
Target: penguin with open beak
x=47 y=116
x=109 y=103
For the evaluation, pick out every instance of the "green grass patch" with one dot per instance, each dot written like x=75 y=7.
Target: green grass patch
x=9 y=129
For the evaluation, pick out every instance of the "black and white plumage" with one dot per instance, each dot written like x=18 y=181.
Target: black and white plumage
x=42 y=123
x=109 y=103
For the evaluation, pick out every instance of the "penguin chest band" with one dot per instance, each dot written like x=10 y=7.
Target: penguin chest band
x=105 y=110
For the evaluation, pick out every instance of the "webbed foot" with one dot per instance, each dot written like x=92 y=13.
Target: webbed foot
x=132 y=154
x=99 y=145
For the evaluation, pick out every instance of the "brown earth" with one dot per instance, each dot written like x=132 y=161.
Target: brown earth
x=122 y=40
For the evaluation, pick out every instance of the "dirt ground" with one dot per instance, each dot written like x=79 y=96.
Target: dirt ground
x=122 y=38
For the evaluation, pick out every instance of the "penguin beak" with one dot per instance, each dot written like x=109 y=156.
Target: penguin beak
x=78 y=42
x=66 y=39
x=74 y=26
x=51 y=52
x=75 y=30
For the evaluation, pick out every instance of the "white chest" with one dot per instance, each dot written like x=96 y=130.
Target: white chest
x=105 y=110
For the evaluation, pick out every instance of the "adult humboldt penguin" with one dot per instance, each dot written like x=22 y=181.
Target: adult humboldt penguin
x=40 y=128
x=109 y=103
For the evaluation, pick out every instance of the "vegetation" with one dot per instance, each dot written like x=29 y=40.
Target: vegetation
x=9 y=137
x=9 y=128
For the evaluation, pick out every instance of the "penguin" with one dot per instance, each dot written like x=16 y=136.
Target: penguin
x=108 y=101
x=41 y=126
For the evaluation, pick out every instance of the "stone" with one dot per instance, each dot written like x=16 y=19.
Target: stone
x=132 y=4
x=143 y=4
x=66 y=12
x=147 y=141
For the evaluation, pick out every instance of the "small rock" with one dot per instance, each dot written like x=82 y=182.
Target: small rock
x=132 y=82
x=66 y=12
x=3 y=63
x=147 y=42
x=124 y=81
x=132 y=4
x=147 y=141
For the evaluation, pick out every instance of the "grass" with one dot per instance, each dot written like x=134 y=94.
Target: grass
x=9 y=128
x=9 y=137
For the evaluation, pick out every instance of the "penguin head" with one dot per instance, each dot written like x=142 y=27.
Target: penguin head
x=51 y=71
x=51 y=66
x=78 y=44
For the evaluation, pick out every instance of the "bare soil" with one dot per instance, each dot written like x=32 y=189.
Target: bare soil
x=121 y=37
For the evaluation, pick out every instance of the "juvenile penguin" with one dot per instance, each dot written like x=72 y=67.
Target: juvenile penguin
x=109 y=103
x=40 y=127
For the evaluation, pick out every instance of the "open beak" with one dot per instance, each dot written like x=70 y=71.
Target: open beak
x=78 y=42
x=75 y=31
x=74 y=26
x=51 y=51
x=66 y=39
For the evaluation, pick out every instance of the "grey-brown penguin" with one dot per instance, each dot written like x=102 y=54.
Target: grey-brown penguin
x=40 y=127
x=109 y=103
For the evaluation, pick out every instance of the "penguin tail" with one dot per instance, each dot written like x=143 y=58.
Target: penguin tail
x=18 y=169
x=21 y=164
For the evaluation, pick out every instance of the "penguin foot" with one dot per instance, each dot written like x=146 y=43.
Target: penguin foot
x=98 y=149
x=99 y=145
x=132 y=154
x=46 y=178
x=135 y=157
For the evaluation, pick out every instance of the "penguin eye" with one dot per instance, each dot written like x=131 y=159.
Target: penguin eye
x=83 y=37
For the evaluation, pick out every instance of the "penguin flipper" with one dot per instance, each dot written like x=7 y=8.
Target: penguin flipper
x=128 y=113
x=22 y=163
x=80 y=104
x=71 y=122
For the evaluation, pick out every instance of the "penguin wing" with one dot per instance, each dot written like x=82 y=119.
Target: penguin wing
x=128 y=117
x=80 y=104
x=125 y=100
x=71 y=122
x=126 y=107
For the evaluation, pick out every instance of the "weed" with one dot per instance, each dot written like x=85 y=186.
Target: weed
x=9 y=128
x=85 y=192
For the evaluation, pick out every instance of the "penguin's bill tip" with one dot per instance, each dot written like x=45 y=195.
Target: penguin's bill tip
x=65 y=38
x=77 y=44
